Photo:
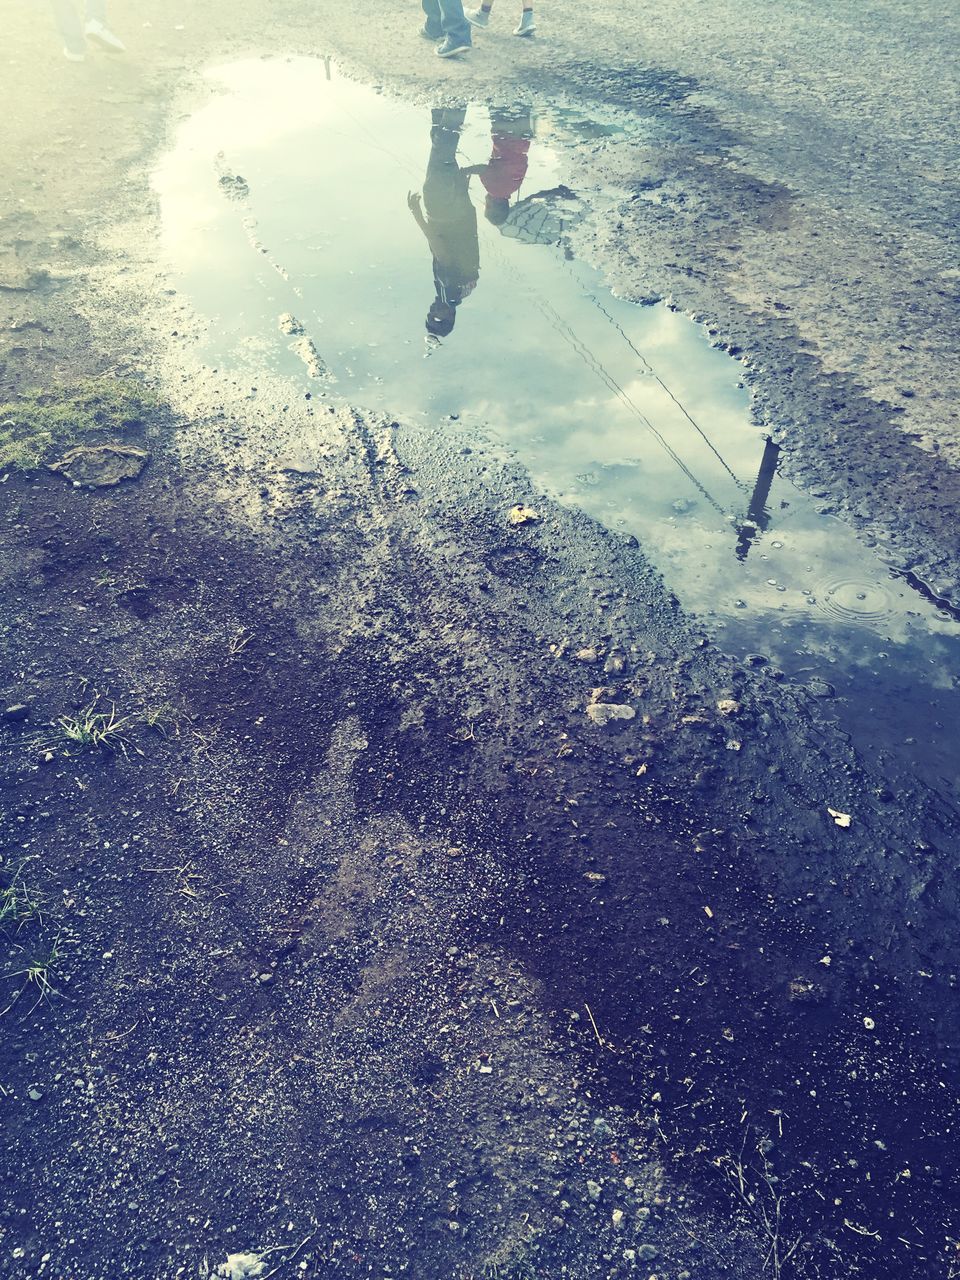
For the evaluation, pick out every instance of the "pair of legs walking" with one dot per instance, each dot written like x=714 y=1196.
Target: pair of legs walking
x=446 y=21
x=76 y=26
x=526 y=26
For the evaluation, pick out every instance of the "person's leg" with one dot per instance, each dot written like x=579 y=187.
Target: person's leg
x=480 y=17
x=526 y=25
x=70 y=27
x=455 y=25
x=97 y=29
x=433 y=27
x=447 y=123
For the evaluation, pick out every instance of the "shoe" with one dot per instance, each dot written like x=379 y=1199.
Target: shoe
x=479 y=18
x=450 y=48
x=527 y=24
x=74 y=55
x=431 y=35
x=104 y=37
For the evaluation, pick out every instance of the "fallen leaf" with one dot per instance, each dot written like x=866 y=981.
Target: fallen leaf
x=521 y=515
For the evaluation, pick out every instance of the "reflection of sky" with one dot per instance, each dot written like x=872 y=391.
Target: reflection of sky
x=543 y=361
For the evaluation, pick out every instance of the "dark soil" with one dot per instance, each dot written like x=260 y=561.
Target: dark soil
x=357 y=839
x=367 y=952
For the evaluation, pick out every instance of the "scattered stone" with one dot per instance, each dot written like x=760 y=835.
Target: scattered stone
x=305 y=350
x=647 y=1252
x=241 y=1266
x=521 y=515
x=821 y=688
x=18 y=711
x=728 y=706
x=604 y=713
x=615 y=664
x=594 y=1191
x=234 y=186
x=24 y=279
x=35 y=1094
x=617 y=1217
x=101 y=466
x=297 y=466
x=805 y=991
x=589 y=654
x=841 y=819
x=290 y=325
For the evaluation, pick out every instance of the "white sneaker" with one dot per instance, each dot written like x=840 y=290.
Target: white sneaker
x=479 y=18
x=104 y=37
x=74 y=55
x=526 y=25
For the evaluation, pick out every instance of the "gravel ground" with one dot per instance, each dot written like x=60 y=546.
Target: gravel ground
x=375 y=955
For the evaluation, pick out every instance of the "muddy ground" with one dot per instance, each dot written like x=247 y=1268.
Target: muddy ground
x=369 y=952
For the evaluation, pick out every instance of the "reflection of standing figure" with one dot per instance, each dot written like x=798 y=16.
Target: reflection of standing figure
x=449 y=222
x=506 y=169
x=76 y=34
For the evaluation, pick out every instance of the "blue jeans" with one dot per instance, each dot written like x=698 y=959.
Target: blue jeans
x=71 y=24
x=447 y=16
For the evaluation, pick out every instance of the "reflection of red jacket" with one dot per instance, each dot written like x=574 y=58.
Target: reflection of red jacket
x=507 y=167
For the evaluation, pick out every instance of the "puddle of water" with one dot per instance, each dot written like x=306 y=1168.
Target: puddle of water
x=412 y=262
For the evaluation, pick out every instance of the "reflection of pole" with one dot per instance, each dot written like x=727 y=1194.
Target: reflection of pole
x=326 y=63
x=758 y=517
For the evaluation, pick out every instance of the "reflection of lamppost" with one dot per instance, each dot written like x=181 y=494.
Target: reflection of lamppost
x=326 y=64
x=758 y=517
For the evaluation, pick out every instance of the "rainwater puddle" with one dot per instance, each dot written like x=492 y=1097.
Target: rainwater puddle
x=412 y=261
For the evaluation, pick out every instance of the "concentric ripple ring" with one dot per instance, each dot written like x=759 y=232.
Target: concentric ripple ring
x=851 y=600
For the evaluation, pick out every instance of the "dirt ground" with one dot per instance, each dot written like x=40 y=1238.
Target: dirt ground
x=356 y=947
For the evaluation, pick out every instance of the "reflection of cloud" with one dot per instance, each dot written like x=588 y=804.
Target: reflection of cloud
x=535 y=355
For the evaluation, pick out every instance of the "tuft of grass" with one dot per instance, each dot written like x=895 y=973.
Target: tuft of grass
x=756 y=1187
x=238 y=641
x=38 y=975
x=19 y=904
x=93 y=728
x=40 y=422
x=162 y=719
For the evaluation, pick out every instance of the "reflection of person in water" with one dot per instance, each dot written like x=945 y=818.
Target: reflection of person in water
x=503 y=175
x=449 y=222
